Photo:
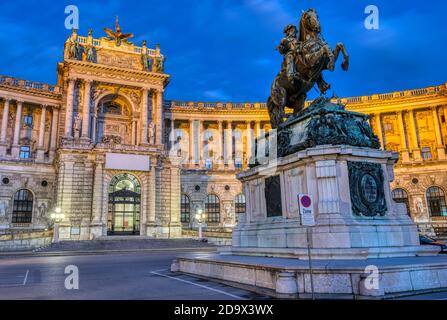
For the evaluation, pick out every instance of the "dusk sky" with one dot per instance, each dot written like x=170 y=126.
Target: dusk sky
x=224 y=50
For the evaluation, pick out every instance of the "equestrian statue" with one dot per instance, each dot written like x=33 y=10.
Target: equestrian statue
x=306 y=56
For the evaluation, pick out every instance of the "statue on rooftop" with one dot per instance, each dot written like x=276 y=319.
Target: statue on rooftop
x=159 y=64
x=74 y=48
x=117 y=35
x=305 y=59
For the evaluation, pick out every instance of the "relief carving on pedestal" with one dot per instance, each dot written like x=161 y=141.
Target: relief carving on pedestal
x=366 y=183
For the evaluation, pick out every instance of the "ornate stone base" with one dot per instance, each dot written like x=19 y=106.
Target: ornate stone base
x=347 y=225
x=290 y=278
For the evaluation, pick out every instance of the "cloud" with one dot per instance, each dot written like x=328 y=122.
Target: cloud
x=217 y=94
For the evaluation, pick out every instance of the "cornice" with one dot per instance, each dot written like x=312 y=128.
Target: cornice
x=91 y=68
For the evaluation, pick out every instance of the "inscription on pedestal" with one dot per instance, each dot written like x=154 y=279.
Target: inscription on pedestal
x=273 y=196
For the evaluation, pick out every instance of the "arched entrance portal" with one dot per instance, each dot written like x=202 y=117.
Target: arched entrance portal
x=124 y=205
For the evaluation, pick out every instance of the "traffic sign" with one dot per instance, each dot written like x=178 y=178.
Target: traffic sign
x=305 y=202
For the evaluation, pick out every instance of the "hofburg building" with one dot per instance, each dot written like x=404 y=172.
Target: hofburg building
x=105 y=148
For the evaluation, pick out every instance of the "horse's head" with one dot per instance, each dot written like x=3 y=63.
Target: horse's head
x=309 y=23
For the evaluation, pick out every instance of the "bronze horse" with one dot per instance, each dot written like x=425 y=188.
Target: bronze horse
x=312 y=57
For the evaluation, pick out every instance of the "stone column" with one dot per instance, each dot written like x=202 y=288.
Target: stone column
x=378 y=117
x=220 y=142
x=4 y=128
x=144 y=116
x=151 y=192
x=249 y=142
x=438 y=133
x=54 y=130
x=98 y=229
x=69 y=109
x=258 y=129
x=86 y=109
x=133 y=142
x=191 y=142
x=200 y=143
x=159 y=124
x=172 y=134
x=403 y=138
x=17 y=128
x=229 y=161
x=415 y=141
x=41 y=143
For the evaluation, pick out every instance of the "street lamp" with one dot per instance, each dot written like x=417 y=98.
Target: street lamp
x=200 y=217
x=57 y=217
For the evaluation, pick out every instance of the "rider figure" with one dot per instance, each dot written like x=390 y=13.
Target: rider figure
x=289 y=47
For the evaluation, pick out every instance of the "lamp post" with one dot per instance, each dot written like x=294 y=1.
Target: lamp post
x=200 y=217
x=57 y=217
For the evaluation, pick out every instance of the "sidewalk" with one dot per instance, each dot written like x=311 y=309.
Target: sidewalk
x=114 y=246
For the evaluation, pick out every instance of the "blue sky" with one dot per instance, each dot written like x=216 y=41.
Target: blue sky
x=224 y=50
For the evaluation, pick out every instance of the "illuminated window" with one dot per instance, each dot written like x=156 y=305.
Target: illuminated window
x=436 y=202
x=240 y=205
x=401 y=196
x=185 y=209
x=426 y=154
x=23 y=207
x=212 y=208
x=25 y=152
x=28 y=121
x=238 y=163
x=209 y=164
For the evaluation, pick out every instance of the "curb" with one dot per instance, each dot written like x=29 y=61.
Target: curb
x=96 y=252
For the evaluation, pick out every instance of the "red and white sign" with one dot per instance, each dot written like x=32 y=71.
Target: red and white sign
x=306 y=205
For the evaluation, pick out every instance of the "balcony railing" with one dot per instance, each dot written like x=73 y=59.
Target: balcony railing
x=171 y=104
x=29 y=85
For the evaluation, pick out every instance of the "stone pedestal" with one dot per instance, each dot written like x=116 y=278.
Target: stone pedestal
x=355 y=215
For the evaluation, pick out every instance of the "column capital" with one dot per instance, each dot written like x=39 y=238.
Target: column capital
x=19 y=102
x=89 y=81
x=7 y=99
x=71 y=79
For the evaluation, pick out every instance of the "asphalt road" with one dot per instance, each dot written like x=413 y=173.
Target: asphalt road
x=136 y=276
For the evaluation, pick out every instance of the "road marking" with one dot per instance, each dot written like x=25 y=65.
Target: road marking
x=26 y=277
x=198 y=285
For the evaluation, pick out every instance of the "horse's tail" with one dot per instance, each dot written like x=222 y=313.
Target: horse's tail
x=275 y=113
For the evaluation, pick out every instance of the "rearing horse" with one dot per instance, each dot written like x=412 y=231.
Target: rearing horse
x=312 y=57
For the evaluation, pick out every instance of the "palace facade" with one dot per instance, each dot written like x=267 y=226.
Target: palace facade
x=104 y=147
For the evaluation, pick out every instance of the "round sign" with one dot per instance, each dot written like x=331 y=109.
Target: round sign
x=306 y=202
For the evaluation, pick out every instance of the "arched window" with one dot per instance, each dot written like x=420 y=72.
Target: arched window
x=23 y=207
x=240 y=204
x=185 y=213
x=401 y=196
x=212 y=208
x=436 y=202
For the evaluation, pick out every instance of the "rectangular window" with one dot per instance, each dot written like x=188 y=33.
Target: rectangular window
x=238 y=164
x=426 y=154
x=28 y=121
x=25 y=152
x=209 y=164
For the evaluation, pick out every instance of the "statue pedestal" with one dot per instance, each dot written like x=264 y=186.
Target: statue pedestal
x=354 y=212
x=333 y=156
